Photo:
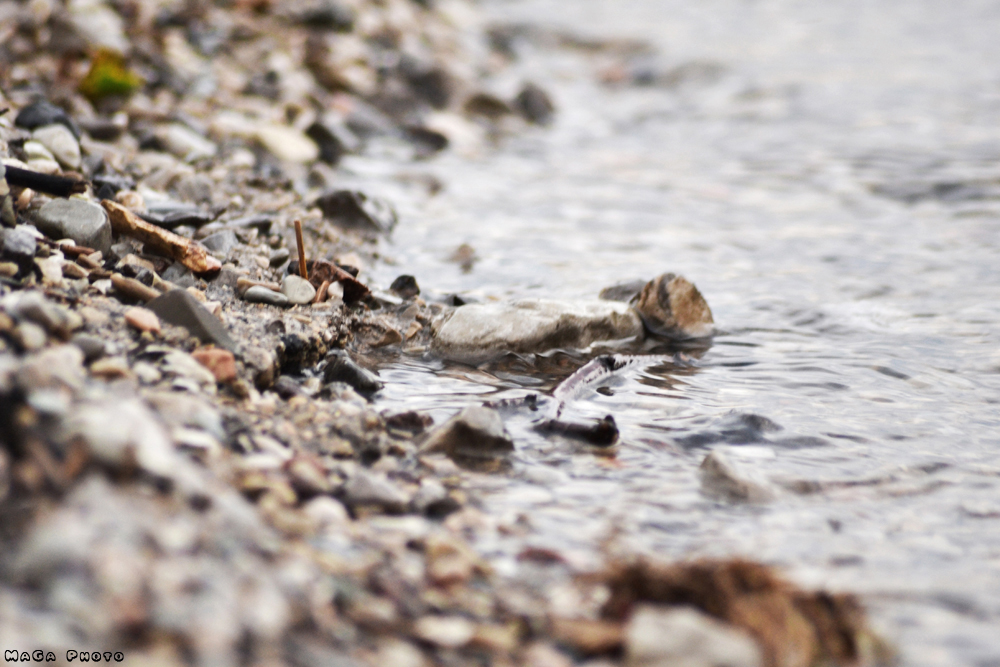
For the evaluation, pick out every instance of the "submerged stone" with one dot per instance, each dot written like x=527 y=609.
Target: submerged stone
x=476 y=333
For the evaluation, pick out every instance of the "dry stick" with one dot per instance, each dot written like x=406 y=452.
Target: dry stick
x=302 y=250
x=60 y=186
x=321 y=292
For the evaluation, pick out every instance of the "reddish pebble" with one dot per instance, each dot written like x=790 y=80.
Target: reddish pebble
x=142 y=319
x=220 y=362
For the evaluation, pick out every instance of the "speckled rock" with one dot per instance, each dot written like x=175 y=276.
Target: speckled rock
x=86 y=223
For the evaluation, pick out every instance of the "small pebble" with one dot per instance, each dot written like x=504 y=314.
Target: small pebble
x=142 y=319
x=298 y=290
x=258 y=294
x=220 y=362
x=61 y=143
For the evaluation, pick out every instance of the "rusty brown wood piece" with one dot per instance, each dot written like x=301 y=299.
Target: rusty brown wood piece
x=303 y=270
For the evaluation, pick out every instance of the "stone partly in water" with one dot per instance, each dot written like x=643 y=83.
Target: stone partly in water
x=666 y=637
x=480 y=332
x=722 y=479
x=672 y=307
x=341 y=368
x=86 y=223
x=476 y=432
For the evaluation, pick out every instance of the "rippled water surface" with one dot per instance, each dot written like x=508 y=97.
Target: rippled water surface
x=828 y=174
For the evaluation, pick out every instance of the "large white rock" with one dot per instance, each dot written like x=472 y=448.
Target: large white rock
x=685 y=637
x=479 y=332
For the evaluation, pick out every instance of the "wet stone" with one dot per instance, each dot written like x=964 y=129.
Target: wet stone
x=672 y=307
x=180 y=308
x=721 y=478
x=480 y=332
x=405 y=286
x=298 y=291
x=476 y=432
x=61 y=143
x=624 y=291
x=341 y=368
x=258 y=294
x=534 y=104
x=86 y=223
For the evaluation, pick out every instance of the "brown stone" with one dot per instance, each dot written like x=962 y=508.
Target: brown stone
x=142 y=319
x=222 y=363
x=671 y=306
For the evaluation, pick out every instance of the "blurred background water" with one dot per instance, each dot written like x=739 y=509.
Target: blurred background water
x=828 y=174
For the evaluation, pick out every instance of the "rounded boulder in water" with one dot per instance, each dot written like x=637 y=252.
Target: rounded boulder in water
x=672 y=307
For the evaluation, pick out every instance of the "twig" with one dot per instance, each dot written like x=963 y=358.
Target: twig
x=303 y=271
x=321 y=292
x=60 y=186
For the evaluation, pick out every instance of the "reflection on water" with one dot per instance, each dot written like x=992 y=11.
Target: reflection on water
x=828 y=174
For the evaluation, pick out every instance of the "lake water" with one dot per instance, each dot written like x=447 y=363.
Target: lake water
x=828 y=174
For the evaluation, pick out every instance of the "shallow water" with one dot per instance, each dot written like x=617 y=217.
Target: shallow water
x=829 y=177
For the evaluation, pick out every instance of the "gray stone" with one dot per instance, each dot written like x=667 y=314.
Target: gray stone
x=479 y=332
x=179 y=307
x=221 y=242
x=476 y=432
x=185 y=143
x=86 y=223
x=366 y=488
x=61 y=143
x=672 y=307
x=41 y=113
x=93 y=348
x=355 y=210
x=279 y=257
x=258 y=294
x=19 y=247
x=624 y=291
x=534 y=104
x=685 y=637
x=298 y=290
x=341 y=368
x=721 y=478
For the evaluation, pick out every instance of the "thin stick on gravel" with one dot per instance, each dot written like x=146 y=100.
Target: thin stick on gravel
x=302 y=250
x=321 y=292
x=59 y=186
